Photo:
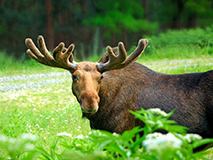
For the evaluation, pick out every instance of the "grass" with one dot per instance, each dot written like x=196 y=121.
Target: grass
x=46 y=112
x=9 y=66
x=52 y=108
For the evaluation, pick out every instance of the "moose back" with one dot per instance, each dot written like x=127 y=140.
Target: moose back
x=108 y=89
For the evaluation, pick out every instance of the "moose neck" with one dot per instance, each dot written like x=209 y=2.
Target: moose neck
x=113 y=85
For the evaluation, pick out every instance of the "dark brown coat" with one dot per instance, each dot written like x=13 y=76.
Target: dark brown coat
x=136 y=86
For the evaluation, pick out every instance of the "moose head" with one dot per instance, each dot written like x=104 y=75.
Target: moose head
x=87 y=76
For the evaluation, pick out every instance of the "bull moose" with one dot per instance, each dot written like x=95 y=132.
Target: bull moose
x=109 y=88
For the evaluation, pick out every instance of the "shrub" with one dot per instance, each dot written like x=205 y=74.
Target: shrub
x=176 y=144
x=196 y=37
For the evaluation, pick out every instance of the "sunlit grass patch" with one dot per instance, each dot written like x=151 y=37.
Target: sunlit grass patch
x=46 y=112
x=50 y=108
x=175 y=145
x=181 y=66
x=34 y=81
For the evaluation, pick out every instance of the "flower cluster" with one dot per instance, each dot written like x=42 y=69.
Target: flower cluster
x=159 y=141
x=17 y=145
x=158 y=112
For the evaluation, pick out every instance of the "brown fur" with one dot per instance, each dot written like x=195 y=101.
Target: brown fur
x=136 y=86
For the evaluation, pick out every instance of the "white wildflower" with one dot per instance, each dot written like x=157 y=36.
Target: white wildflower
x=28 y=136
x=80 y=136
x=159 y=123
x=53 y=119
x=64 y=134
x=158 y=141
x=3 y=139
x=115 y=134
x=192 y=137
x=157 y=111
x=29 y=147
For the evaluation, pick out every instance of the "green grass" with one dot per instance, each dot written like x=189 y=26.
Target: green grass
x=46 y=112
x=9 y=66
x=53 y=109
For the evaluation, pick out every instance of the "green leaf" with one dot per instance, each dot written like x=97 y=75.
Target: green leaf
x=202 y=142
x=44 y=153
x=118 y=149
x=104 y=144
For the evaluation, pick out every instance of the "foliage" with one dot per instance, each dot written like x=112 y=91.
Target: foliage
x=183 y=13
x=16 y=147
x=76 y=21
x=201 y=37
x=120 y=15
x=104 y=145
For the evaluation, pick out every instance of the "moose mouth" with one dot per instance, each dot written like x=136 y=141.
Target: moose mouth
x=89 y=106
x=89 y=111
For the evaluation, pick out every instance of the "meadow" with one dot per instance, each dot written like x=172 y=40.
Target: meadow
x=49 y=108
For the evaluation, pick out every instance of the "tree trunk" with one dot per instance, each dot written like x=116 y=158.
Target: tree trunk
x=49 y=24
x=146 y=9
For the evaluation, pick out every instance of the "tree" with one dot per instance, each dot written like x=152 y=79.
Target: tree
x=18 y=20
x=78 y=21
x=120 y=17
x=178 y=14
x=49 y=24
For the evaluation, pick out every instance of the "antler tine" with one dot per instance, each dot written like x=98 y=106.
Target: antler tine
x=63 y=58
x=43 y=48
x=114 y=59
x=137 y=52
x=120 y=61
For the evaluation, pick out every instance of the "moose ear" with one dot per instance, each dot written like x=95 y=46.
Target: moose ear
x=105 y=57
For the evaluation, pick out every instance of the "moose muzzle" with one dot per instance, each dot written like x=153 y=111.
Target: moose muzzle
x=89 y=102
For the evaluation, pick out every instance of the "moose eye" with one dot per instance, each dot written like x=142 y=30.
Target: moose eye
x=74 y=77
x=99 y=80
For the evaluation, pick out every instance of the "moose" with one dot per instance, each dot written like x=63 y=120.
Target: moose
x=109 y=88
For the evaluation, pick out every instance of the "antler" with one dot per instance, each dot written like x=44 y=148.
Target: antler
x=119 y=60
x=62 y=57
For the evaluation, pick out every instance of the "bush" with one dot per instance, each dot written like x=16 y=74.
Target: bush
x=196 y=37
x=176 y=144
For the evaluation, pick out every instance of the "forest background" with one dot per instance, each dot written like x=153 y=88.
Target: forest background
x=89 y=22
